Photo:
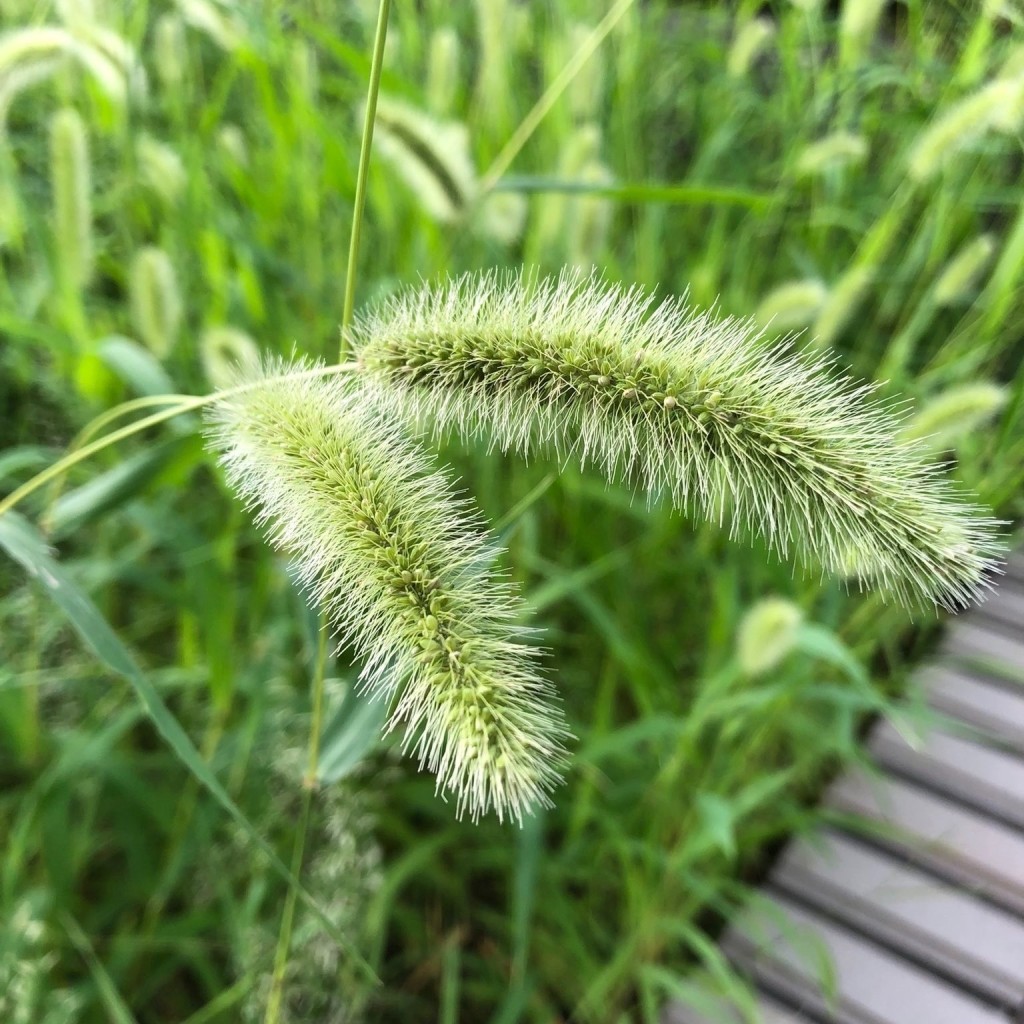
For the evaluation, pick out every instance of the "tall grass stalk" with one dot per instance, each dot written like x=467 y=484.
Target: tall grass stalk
x=503 y=161
x=376 y=67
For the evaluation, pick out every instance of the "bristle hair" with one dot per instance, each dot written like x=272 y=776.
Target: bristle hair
x=693 y=407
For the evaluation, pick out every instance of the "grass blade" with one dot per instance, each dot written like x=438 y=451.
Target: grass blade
x=24 y=544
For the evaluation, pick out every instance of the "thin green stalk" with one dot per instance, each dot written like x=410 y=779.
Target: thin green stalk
x=364 y=165
x=541 y=108
x=284 y=938
x=187 y=404
x=316 y=720
x=94 y=426
x=71 y=460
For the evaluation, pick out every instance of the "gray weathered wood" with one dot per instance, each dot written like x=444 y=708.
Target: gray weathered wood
x=960 y=845
x=942 y=928
x=980 y=642
x=989 y=780
x=1015 y=566
x=872 y=986
x=1005 y=607
x=769 y=1012
x=995 y=710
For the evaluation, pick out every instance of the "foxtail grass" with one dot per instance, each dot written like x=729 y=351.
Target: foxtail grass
x=71 y=184
x=402 y=570
x=156 y=302
x=692 y=407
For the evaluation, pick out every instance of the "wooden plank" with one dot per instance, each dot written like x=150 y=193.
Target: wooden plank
x=995 y=710
x=989 y=780
x=1005 y=606
x=960 y=845
x=721 y=1012
x=872 y=986
x=976 y=640
x=943 y=929
x=1015 y=566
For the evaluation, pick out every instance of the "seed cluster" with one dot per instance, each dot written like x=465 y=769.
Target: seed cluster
x=400 y=566
x=701 y=410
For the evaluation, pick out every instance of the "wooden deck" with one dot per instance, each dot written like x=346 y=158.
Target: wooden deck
x=918 y=917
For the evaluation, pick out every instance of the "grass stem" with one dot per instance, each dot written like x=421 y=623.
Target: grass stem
x=542 y=107
x=364 y=165
x=284 y=938
x=185 y=403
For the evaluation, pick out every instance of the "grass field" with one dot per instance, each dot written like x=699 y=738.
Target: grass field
x=176 y=193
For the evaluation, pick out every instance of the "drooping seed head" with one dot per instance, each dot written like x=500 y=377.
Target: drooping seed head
x=404 y=575
x=953 y=415
x=582 y=369
x=959 y=278
x=751 y=39
x=791 y=305
x=836 y=150
x=766 y=634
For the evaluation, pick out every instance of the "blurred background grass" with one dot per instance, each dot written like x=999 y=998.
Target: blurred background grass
x=176 y=186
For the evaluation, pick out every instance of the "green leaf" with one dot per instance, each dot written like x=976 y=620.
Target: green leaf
x=824 y=645
x=349 y=735
x=112 y=488
x=27 y=456
x=135 y=365
x=717 y=818
x=24 y=544
x=117 y=1009
x=673 y=195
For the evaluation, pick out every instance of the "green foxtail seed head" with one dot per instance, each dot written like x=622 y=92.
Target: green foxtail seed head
x=792 y=305
x=170 y=51
x=857 y=26
x=155 y=300
x=20 y=79
x=161 y=169
x=958 y=281
x=995 y=106
x=231 y=140
x=954 y=414
x=49 y=46
x=442 y=71
x=766 y=634
x=72 y=196
x=689 y=406
x=751 y=40
x=218 y=23
x=432 y=157
x=842 y=301
x=227 y=352
x=835 y=150
x=402 y=570
x=87 y=28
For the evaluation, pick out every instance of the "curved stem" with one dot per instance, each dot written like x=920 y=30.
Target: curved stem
x=94 y=426
x=186 y=404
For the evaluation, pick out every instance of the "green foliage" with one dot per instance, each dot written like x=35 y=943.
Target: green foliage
x=808 y=167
